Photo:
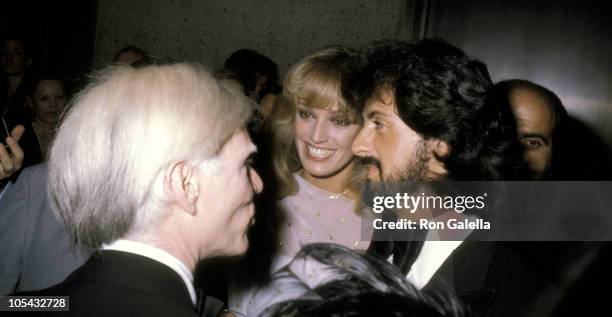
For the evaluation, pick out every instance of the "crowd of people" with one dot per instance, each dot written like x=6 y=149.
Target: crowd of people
x=114 y=195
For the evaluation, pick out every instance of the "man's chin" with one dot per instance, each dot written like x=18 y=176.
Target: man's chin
x=241 y=247
x=373 y=189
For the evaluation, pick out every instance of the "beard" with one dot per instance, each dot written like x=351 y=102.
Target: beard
x=410 y=179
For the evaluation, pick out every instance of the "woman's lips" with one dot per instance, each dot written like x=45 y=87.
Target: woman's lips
x=318 y=153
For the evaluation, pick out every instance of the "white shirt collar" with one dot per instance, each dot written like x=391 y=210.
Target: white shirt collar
x=158 y=255
x=433 y=254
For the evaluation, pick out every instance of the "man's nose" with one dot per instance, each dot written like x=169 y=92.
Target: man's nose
x=362 y=145
x=256 y=182
x=319 y=132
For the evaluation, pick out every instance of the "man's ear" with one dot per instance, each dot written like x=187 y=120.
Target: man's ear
x=436 y=149
x=181 y=184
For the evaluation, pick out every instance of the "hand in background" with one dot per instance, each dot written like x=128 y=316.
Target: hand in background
x=11 y=158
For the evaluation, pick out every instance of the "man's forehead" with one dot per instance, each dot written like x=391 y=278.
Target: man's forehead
x=525 y=100
x=239 y=145
x=383 y=100
x=531 y=111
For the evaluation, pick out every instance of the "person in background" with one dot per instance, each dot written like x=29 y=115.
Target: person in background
x=16 y=83
x=37 y=248
x=131 y=55
x=48 y=102
x=16 y=80
x=149 y=198
x=539 y=117
x=556 y=146
x=257 y=75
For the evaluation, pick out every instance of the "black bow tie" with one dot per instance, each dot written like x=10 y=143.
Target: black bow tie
x=404 y=245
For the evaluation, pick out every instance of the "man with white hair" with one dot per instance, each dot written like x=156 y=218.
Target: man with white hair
x=151 y=168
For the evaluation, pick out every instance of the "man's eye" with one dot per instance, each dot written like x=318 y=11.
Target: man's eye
x=531 y=143
x=377 y=124
x=249 y=161
x=305 y=114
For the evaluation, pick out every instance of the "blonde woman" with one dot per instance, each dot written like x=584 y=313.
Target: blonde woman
x=312 y=128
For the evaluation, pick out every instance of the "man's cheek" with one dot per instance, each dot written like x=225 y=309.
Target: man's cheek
x=536 y=159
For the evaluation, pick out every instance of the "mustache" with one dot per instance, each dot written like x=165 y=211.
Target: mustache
x=367 y=160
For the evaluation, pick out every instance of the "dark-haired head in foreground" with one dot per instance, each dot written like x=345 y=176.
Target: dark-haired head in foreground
x=355 y=284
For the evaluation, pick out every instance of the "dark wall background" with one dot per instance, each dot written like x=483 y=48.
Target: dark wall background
x=208 y=31
x=60 y=33
x=565 y=45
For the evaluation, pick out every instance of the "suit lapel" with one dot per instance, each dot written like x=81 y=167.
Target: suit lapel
x=466 y=272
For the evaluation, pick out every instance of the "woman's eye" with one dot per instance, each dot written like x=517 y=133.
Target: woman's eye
x=343 y=122
x=305 y=114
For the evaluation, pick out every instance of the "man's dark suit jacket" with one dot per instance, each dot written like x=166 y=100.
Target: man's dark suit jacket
x=521 y=278
x=114 y=283
x=516 y=278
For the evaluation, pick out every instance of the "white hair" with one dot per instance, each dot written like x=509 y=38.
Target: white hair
x=122 y=131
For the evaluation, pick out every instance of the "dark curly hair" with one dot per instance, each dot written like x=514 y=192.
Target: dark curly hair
x=441 y=93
